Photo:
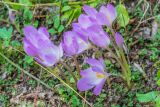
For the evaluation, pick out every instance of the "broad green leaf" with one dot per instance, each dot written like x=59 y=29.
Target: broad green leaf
x=27 y=15
x=72 y=80
x=95 y=3
x=148 y=97
x=21 y=4
x=61 y=28
x=157 y=101
x=56 y=22
x=36 y=23
x=67 y=14
x=25 y=2
x=158 y=82
x=6 y=33
x=75 y=14
x=52 y=31
x=122 y=15
x=28 y=59
x=65 y=8
x=15 y=43
x=157 y=35
x=75 y=101
x=6 y=43
x=158 y=74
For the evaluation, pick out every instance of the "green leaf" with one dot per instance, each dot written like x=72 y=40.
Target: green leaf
x=158 y=74
x=95 y=3
x=56 y=22
x=27 y=15
x=26 y=2
x=52 y=31
x=148 y=97
x=65 y=8
x=75 y=101
x=157 y=101
x=28 y=59
x=67 y=14
x=6 y=34
x=74 y=15
x=122 y=15
x=6 y=43
x=36 y=23
x=61 y=28
x=72 y=80
x=15 y=43
x=158 y=82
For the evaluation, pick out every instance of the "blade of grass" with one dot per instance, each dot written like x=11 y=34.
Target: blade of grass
x=63 y=82
x=47 y=4
x=26 y=72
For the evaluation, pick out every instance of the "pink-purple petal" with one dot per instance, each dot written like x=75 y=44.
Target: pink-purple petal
x=95 y=63
x=110 y=12
x=98 y=36
x=90 y=11
x=38 y=45
x=69 y=43
x=97 y=69
x=86 y=72
x=84 y=21
x=44 y=32
x=11 y=15
x=73 y=43
x=119 y=39
x=83 y=85
x=29 y=48
x=98 y=88
x=102 y=20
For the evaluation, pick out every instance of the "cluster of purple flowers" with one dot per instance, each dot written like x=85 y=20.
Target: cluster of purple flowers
x=89 y=28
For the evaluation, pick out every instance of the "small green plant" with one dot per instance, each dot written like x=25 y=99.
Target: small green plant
x=153 y=97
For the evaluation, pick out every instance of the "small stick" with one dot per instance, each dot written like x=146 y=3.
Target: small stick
x=63 y=75
x=77 y=64
x=69 y=70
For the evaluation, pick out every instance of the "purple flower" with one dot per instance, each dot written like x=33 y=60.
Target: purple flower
x=119 y=39
x=73 y=43
x=107 y=14
x=84 y=22
x=93 y=77
x=38 y=45
x=90 y=11
x=11 y=15
x=98 y=36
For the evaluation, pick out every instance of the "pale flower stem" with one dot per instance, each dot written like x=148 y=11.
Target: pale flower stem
x=63 y=75
x=116 y=57
x=114 y=42
x=125 y=62
x=124 y=70
x=122 y=61
x=69 y=70
x=77 y=65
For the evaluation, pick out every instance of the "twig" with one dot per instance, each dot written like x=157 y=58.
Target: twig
x=46 y=4
x=69 y=70
x=63 y=75
x=64 y=83
x=141 y=19
x=77 y=64
x=151 y=18
x=20 y=4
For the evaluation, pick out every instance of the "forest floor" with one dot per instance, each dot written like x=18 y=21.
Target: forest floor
x=142 y=38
